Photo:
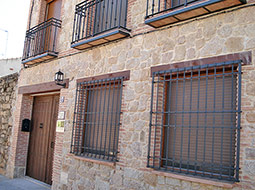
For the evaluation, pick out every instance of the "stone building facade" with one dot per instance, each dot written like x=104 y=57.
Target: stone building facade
x=221 y=36
x=8 y=86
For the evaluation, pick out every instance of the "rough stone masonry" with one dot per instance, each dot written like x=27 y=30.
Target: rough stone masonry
x=8 y=85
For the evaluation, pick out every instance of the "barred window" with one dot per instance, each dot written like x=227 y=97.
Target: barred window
x=97 y=118
x=195 y=120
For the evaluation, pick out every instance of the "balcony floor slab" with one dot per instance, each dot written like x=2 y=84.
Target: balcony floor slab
x=40 y=58
x=193 y=10
x=102 y=38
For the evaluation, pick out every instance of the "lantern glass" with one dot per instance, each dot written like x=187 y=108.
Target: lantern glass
x=59 y=76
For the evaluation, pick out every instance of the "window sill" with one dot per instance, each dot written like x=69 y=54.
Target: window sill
x=85 y=159
x=212 y=182
x=193 y=10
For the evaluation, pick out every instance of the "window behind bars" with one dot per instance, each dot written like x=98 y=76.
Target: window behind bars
x=195 y=120
x=97 y=118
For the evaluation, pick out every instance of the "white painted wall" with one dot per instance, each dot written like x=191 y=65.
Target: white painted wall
x=9 y=66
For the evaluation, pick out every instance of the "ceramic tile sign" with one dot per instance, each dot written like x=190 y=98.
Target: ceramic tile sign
x=61 y=115
x=60 y=126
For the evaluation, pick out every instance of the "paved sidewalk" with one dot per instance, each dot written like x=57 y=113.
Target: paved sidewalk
x=25 y=183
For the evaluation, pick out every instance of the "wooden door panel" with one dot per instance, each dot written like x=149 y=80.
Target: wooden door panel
x=40 y=155
x=38 y=139
x=52 y=135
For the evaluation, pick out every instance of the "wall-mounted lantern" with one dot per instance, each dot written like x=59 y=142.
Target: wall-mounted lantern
x=59 y=79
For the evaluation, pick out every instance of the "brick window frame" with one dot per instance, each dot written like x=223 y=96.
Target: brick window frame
x=158 y=141
x=97 y=116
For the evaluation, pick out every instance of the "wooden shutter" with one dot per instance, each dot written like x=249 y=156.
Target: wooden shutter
x=53 y=9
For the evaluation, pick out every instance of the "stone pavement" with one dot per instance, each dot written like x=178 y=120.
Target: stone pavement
x=25 y=183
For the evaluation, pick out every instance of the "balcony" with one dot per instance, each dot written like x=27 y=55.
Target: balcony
x=40 y=42
x=163 y=12
x=99 y=21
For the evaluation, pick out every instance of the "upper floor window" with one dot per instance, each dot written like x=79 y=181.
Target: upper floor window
x=53 y=9
x=163 y=12
x=99 y=21
x=195 y=120
x=40 y=41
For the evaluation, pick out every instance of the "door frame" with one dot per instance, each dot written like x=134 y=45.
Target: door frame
x=52 y=128
x=23 y=110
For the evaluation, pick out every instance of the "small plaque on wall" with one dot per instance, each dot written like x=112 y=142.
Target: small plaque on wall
x=60 y=126
x=61 y=115
x=62 y=99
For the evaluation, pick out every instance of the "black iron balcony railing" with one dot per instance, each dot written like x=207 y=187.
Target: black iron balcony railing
x=163 y=12
x=158 y=6
x=41 y=39
x=93 y=17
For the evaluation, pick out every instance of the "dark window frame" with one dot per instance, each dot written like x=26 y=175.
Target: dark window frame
x=155 y=151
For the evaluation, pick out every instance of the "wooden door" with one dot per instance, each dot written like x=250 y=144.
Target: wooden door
x=42 y=138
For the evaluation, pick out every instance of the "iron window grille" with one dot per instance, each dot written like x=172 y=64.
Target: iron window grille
x=195 y=120
x=97 y=119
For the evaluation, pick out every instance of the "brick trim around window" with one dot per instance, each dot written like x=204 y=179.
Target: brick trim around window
x=195 y=120
x=97 y=116
x=246 y=58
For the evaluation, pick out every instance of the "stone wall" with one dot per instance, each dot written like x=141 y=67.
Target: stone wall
x=213 y=35
x=8 y=86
